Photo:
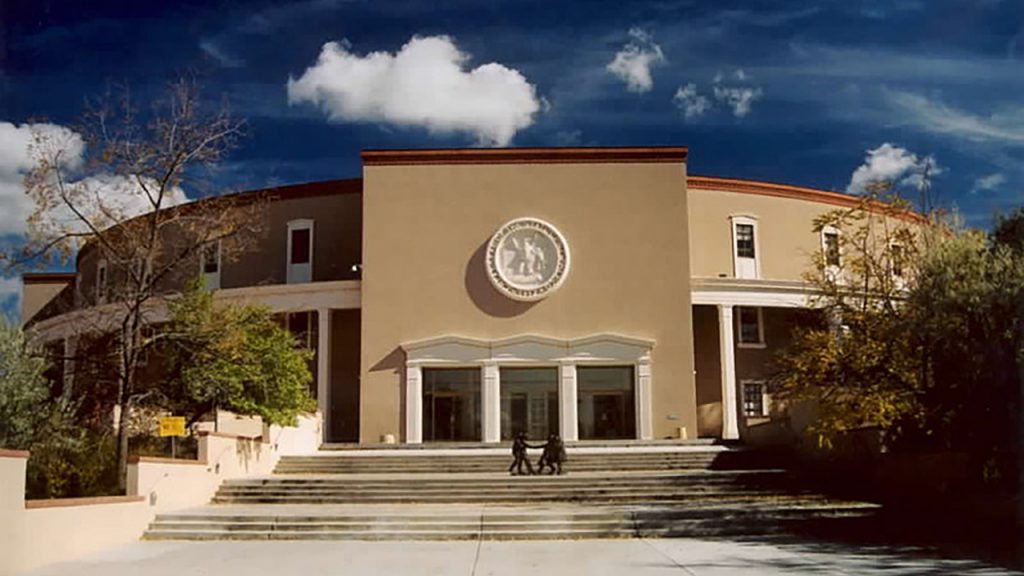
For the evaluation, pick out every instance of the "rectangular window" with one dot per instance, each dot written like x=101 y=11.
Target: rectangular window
x=605 y=402
x=529 y=402
x=211 y=258
x=745 y=252
x=101 y=282
x=451 y=404
x=300 y=252
x=831 y=247
x=300 y=246
x=750 y=326
x=754 y=401
x=896 y=260
x=745 y=240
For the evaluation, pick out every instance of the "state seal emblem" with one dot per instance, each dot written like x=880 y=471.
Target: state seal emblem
x=527 y=259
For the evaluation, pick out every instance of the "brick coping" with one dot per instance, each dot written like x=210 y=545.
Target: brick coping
x=14 y=453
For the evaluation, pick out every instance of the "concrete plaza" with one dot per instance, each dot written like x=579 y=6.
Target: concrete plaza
x=684 y=556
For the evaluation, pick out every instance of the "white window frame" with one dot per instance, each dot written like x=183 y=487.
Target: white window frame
x=760 y=328
x=765 y=398
x=899 y=280
x=832 y=271
x=102 y=281
x=299 y=273
x=211 y=280
x=744 y=267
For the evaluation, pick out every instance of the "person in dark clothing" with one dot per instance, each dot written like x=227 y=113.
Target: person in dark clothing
x=519 y=456
x=553 y=456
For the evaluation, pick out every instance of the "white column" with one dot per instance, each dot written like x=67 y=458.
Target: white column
x=644 y=421
x=568 y=423
x=413 y=404
x=323 y=367
x=727 y=357
x=490 y=402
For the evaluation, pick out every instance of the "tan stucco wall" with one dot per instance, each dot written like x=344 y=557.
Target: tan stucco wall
x=786 y=240
x=337 y=235
x=36 y=295
x=426 y=228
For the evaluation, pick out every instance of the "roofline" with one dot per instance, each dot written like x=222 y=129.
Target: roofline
x=48 y=277
x=579 y=155
x=763 y=188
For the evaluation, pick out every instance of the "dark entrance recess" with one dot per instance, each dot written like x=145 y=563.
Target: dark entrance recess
x=344 y=417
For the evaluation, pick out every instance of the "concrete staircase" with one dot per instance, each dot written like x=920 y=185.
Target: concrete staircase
x=608 y=492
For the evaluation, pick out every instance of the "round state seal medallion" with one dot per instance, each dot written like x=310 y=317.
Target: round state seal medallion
x=527 y=259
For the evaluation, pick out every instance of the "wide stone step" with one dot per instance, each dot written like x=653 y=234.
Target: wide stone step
x=531 y=524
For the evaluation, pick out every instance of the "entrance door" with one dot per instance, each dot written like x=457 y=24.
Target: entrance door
x=451 y=405
x=529 y=402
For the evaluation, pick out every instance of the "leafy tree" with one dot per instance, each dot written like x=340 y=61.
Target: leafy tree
x=236 y=358
x=30 y=419
x=112 y=187
x=859 y=365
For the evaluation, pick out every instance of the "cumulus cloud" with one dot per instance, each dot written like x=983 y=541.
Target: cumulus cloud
x=690 y=102
x=740 y=96
x=889 y=163
x=16 y=159
x=99 y=195
x=633 y=63
x=990 y=182
x=10 y=294
x=424 y=84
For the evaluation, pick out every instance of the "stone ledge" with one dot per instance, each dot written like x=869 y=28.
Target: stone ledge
x=66 y=502
x=232 y=436
x=160 y=460
x=14 y=453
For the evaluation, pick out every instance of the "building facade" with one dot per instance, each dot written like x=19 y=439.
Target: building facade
x=465 y=295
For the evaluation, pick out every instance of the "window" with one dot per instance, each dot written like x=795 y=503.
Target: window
x=606 y=402
x=451 y=404
x=831 y=244
x=745 y=240
x=755 y=401
x=300 y=246
x=209 y=265
x=300 y=251
x=745 y=252
x=101 y=282
x=750 y=327
x=896 y=260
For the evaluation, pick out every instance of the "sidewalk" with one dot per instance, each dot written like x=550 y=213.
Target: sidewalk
x=690 y=557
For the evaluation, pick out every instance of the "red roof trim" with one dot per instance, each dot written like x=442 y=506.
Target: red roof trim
x=649 y=154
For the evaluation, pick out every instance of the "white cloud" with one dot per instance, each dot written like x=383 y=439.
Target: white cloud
x=423 y=84
x=96 y=195
x=738 y=97
x=990 y=182
x=889 y=163
x=690 y=102
x=633 y=63
x=932 y=116
x=10 y=295
x=16 y=160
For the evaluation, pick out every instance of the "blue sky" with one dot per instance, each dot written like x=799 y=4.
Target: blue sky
x=796 y=92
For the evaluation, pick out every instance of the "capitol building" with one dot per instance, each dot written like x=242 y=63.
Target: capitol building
x=463 y=295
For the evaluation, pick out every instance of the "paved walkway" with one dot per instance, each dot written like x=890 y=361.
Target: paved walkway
x=688 y=557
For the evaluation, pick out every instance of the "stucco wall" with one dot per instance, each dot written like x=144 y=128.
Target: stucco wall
x=785 y=239
x=426 y=228
x=37 y=533
x=335 y=209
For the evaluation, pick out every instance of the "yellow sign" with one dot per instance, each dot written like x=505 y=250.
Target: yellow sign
x=172 y=426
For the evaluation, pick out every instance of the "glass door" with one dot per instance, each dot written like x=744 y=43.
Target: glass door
x=451 y=405
x=529 y=402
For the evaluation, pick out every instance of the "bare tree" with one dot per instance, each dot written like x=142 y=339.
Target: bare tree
x=115 y=189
